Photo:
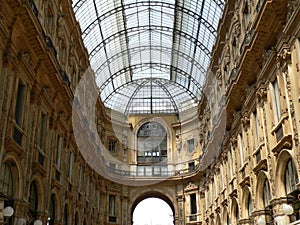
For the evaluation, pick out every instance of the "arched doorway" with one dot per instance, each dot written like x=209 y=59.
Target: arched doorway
x=153 y=211
x=152 y=208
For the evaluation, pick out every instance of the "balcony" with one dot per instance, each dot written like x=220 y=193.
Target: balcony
x=156 y=171
x=192 y=218
x=38 y=163
x=282 y=135
x=112 y=219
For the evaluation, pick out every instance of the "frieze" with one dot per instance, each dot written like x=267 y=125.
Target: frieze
x=191 y=187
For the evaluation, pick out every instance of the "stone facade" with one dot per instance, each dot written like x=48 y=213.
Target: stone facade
x=245 y=133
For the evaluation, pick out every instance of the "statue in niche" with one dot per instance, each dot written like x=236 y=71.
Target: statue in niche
x=125 y=140
x=226 y=57
x=178 y=142
x=101 y=131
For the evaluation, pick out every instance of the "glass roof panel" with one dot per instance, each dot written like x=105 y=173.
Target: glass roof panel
x=149 y=56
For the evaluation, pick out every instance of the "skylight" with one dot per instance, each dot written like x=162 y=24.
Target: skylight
x=149 y=56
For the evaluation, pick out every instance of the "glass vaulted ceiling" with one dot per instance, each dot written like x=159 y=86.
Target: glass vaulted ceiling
x=149 y=56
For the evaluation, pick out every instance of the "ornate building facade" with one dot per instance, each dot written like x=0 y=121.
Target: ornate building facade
x=238 y=164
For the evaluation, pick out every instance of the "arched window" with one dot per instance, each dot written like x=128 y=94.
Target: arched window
x=33 y=198
x=7 y=187
x=235 y=212
x=291 y=177
x=33 y=202
x=66 y=215
x=6 y=181
x=249 y=205
x=266 y=194
x=291 y=180
x=76 y=219
x=227 y=219
x=266 y=201
x=151 y=143
x=218 y=222
x=52 y=210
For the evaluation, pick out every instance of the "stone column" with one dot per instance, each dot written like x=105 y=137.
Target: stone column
x=1 y=211
x=21 y=212
x=279 y=217
x=124 y=207
x=180 y=220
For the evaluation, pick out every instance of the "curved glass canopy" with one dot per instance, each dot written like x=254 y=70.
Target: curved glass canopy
x=149 y=56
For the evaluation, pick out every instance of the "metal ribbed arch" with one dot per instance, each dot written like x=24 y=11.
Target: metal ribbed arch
x=156 y=48
x=165 y=66
x=80 y=3
x=162 y=86
x=94 y=23
x=123 y=36
x=193 y=96
x=98 y=71
x=149 y=28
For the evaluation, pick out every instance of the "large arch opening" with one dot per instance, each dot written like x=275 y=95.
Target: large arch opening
x=153 y=211
x=152 y=208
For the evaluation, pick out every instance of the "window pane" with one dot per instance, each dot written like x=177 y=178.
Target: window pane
x=20 y=103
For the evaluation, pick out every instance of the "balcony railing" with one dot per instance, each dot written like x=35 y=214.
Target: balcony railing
x=163 y=170
x=294 y=223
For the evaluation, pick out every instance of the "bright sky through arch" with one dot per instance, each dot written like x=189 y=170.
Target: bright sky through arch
x=153 y=211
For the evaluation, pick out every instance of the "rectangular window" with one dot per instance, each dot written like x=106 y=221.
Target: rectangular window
x=42 y=131
x=246 y=15
x=80 y=178
x=112 y=146
x=58 y=151
x=112 y=208
x=191 y=145
x=222 y=180
x=276 y=101
x=87 y=187
x=49 y=21
x=256 y=126
x=20 y=104
x=193 y=207
x=230 y=164
x=191 y=166
x=242 y=153
x=71 y=156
